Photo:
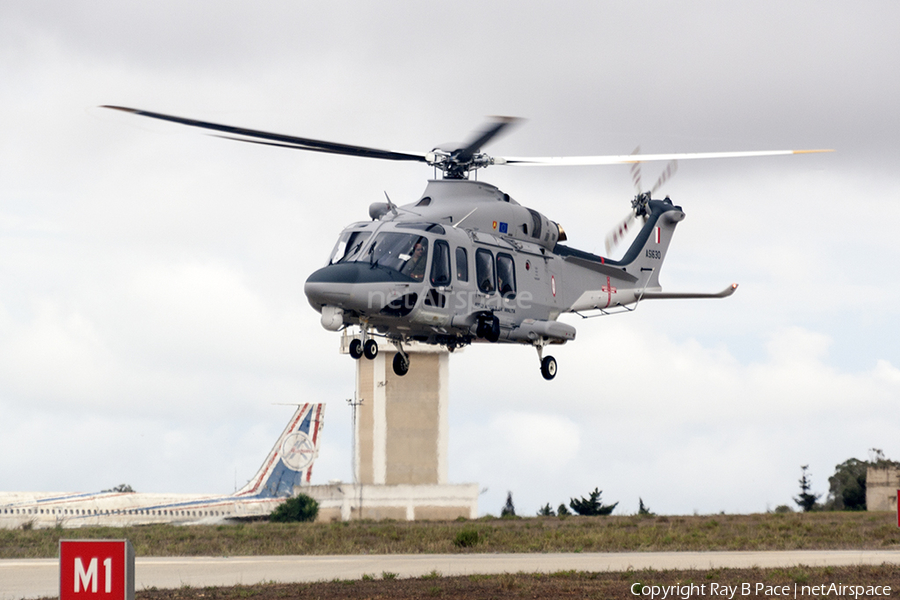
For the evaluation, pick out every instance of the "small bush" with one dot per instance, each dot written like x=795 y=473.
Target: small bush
x=466 y=538
x=591 y=506
x=509 y=509
x=643 y=509
x=296 y=509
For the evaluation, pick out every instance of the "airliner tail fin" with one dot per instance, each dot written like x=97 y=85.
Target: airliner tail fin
x=289 y=464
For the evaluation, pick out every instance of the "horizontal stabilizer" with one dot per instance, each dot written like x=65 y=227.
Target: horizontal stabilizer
x=685 y=295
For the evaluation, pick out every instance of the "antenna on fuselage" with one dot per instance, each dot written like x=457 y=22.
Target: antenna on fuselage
x=458 y=223
x=391 y=205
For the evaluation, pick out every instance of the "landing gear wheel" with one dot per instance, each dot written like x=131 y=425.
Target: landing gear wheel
x=401 y=364
x=488 y=328
x=548 y=367
x=356 y=349
x=370 y=349
x=493 y=334
x=482 y=328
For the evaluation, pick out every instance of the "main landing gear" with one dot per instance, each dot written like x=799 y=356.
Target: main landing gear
x=548 y=363
x=401 y=360
x=488 y=327
x=548 y=367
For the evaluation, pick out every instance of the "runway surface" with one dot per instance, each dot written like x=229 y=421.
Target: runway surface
x=33 y=578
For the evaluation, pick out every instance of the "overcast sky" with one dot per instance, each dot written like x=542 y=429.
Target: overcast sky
x=152 y=316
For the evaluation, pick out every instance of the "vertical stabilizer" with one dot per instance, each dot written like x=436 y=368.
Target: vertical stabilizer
x=645 y=256
x=289 y=464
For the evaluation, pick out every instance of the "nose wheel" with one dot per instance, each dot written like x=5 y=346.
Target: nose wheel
x=359 y=348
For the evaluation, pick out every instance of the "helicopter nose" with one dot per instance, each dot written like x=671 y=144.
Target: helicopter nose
x=328 y=286
x=350 y=285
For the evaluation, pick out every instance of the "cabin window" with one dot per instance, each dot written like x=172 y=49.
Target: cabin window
x=506 y=276
x=348 y=246
x=462 y=264
x=440 y=264
x=484 y=271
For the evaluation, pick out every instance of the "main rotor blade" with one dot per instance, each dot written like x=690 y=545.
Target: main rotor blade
x=576 y=161
x=464 y=155
x=278 y=139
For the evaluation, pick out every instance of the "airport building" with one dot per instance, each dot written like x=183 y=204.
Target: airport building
x=882 y=486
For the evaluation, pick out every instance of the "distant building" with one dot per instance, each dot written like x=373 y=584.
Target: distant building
x=882 y=483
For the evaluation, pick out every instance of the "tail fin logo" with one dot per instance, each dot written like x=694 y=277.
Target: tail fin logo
x=298 y=451
x=656 y=234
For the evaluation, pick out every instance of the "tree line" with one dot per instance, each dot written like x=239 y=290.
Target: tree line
x=846 y=488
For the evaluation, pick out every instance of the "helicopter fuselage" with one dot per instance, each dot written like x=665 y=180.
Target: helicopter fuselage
x=467 y=263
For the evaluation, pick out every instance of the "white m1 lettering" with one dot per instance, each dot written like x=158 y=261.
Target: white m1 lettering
x=89 y=577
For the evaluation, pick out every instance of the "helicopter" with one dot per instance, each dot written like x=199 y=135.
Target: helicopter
x=466 y=263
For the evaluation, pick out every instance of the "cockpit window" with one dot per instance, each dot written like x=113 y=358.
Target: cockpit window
x=403 y=252
x=348 y=246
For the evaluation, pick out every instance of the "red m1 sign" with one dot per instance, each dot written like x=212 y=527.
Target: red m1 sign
x=96 y=570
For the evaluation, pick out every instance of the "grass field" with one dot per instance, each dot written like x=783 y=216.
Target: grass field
x=809 y=531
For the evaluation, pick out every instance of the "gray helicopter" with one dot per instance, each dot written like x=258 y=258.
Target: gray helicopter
x=466 y=263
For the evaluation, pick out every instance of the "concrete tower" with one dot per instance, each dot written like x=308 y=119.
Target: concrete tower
x=401 y=443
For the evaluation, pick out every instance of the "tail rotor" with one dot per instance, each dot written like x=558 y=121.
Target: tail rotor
x=640 y=201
